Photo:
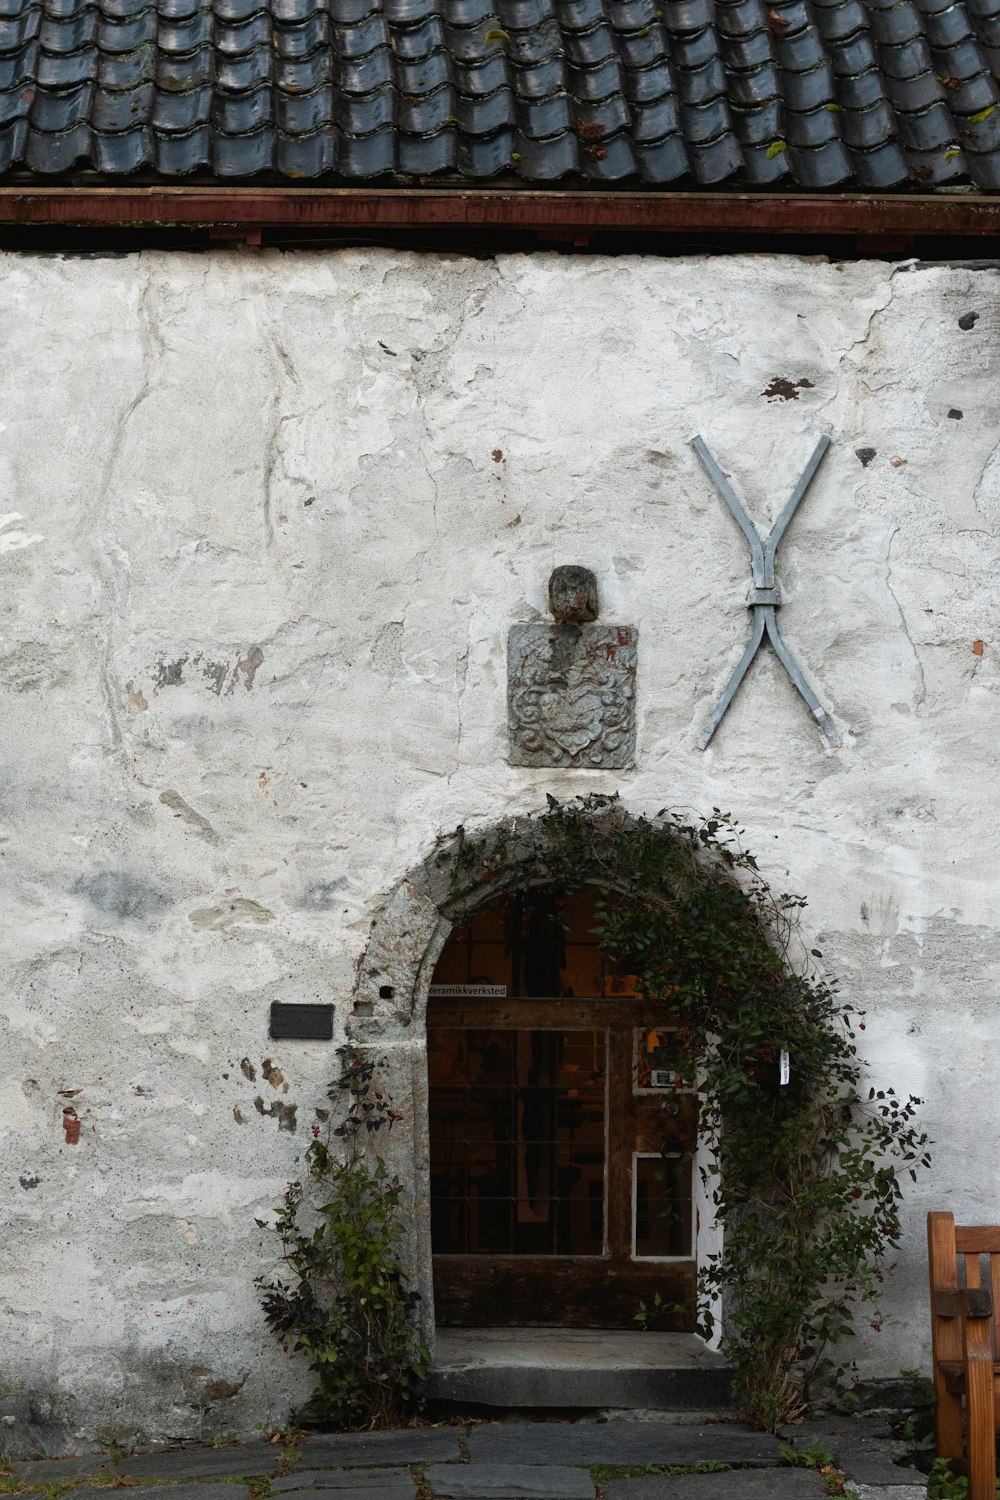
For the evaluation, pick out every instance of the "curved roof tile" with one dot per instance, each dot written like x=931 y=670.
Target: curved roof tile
x=821 y=93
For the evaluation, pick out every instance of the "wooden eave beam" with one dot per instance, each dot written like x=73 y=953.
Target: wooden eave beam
x=527 y=209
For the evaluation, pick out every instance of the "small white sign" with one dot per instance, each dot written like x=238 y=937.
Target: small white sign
x=468 y=992
x=784 y=1068
x=662 y=1078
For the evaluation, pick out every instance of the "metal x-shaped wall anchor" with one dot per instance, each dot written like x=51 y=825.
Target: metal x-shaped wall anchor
x=764 y=596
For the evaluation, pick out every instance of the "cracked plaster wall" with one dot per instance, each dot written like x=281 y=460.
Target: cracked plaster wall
x=264 y=522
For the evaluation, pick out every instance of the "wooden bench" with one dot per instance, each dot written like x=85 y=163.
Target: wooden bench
x=965 y=1287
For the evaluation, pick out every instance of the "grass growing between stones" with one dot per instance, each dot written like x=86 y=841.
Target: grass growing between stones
x=602 y=1474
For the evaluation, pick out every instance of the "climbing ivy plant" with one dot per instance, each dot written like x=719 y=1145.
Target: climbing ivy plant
x=804 y=1175
x=345 y=1304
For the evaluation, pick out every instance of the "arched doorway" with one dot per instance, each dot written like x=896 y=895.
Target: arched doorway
x=562 y=1130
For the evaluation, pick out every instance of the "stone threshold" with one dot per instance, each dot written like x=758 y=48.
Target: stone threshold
x=586 y=1368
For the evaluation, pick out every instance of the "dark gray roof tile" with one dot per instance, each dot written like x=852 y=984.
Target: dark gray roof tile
x=307 y=155
x=860 y=90
x=189 y=33
x=655 y=121
x=538 y=81
x=49 y=152
x=819 y=92
x=361 y=114
x=421 y=155
x=487 y=115
x=19 y=67
x=809 y=89
x=631 y=15
x=18 y=29
x=368 y=155
x=540 y=118
x=900 y=24
x=608 y=161
x=122 y=152
x=12 y=143
x=906 y=94
x=70 y=34
x=697 y=85
x=476 y=156
x=243 y=155
x=177 y=113
x=867 y=128
x=823 y=166
x=59 y=112
x=716 y=160
x=15 y=103
x=578 y=15
x=547 y=160
x=593 y=84
x=881 y=168
x=765 y=164
x=468 y=12
x=178 y=155
x=758 y=127
x=663 y=161
x=55 y=72
x=686 y=15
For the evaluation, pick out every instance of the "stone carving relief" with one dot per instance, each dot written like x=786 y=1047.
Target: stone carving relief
x=571 y=684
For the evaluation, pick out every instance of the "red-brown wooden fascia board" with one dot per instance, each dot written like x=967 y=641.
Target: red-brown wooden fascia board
x=481 y=208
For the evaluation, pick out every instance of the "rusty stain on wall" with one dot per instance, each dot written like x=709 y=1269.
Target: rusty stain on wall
x=278 y=1110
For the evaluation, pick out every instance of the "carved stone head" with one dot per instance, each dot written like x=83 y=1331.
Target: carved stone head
x=573 y=595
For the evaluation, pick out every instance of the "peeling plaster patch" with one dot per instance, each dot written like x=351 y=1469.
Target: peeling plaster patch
x=249 y=666
x=221 y=918
x=248 y=1070
x=169 y=673
x=121 y=894
x=15 y=541
x=215 y=674
x=387 y=650
x=28 y=1182
x=322 y=894
x=238 y=1115
x=783 y=389
x=274 y=1076
x=135 y=697
x=32 y=667
x=280 y=1111
x=71 y=1126
x=182 y=809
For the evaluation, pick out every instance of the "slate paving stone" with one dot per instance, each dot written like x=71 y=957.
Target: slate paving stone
x=55 y=1470
x=620 y=1443
x=509 y=1482
x=177 y=1492
x=876 y=1469
x=316 y=1481
x=358 y=1489
x=202 y=1463
x=739 y=1484
x=413 y=1445
x=880 y=1492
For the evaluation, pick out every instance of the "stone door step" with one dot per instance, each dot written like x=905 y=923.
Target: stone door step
x=577 y=1367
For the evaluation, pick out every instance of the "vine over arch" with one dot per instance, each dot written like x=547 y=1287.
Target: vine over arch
x=803 y=1173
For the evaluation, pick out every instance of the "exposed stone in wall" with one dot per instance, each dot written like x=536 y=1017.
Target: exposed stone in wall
x=256 y=576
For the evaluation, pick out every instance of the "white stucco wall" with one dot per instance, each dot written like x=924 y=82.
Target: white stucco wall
x=265 y=520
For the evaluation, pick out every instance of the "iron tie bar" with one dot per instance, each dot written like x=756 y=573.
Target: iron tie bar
x=765 y=596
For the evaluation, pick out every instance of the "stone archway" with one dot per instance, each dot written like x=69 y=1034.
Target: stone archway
x=389 y=1017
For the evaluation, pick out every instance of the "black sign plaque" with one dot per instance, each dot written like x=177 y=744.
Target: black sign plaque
x=306 y=1023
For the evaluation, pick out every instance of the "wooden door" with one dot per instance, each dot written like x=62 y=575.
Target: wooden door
x=561 y=1143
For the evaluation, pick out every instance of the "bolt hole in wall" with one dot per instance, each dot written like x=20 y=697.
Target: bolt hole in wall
x=562 y=1132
